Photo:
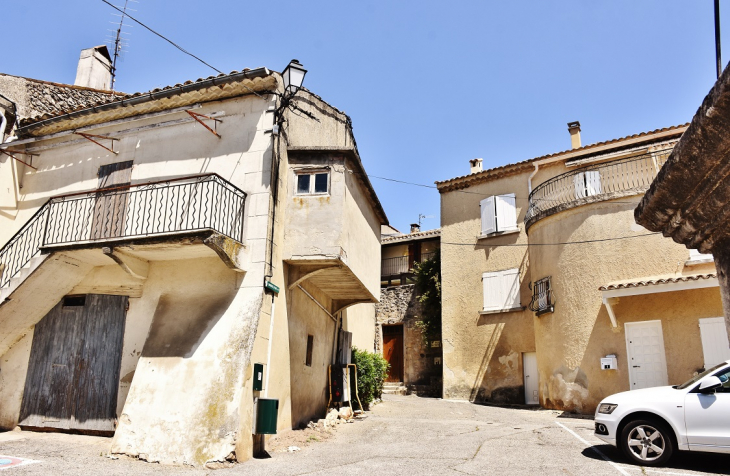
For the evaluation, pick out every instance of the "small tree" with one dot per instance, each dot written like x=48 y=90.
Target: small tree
x=371 y=372
x=427 y=279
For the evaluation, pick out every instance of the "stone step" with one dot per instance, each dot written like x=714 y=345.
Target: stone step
x=395 y=391
x=392 y=384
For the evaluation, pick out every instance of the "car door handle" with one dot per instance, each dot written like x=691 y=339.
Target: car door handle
x=637 y=366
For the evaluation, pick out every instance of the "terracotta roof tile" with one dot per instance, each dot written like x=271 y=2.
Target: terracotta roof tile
x=585 y=150
x=656 y=280
x=412 y=236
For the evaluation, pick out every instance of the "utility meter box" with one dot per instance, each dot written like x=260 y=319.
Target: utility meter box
x=609 y=362
x=265 y=416
x=258 y=377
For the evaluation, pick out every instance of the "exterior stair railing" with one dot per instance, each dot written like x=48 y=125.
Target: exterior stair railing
x=188 y=204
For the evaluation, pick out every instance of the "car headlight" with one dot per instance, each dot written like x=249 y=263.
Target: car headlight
x=606 y=408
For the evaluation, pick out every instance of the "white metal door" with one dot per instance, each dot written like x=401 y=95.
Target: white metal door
x=715 y=346
x=646 y=358
x=708 y=417
x=529 y=369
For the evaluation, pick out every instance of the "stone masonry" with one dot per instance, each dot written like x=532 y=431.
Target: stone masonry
x=422 y=364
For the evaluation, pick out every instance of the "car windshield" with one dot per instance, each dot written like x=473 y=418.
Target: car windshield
x=698 y=377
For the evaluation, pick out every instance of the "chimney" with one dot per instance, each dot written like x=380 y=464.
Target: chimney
x=574 y=129
x=476 y=165
x=415 y=227
x=95 y=68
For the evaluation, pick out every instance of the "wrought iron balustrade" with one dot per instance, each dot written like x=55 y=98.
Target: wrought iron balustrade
x=593 y=183
x=401 y=264
x=189 y=204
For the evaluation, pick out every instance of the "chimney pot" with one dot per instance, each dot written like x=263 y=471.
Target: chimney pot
x=415 y=227
x=574 y=129
x=95 y=68
x=476 y=165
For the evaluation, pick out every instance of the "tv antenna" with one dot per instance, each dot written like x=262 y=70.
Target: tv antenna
x=119 y=42
x=421 y=217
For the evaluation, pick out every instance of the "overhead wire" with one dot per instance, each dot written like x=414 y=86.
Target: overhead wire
x=163 y=37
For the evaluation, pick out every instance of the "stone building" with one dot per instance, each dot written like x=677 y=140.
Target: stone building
x=158 y=245
x=689 y=200
x=415 y=362
x=552 y=294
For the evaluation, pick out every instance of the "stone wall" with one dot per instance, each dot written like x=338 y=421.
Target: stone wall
x=421 y=364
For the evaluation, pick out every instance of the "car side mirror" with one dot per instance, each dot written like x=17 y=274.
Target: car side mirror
x=710 y=384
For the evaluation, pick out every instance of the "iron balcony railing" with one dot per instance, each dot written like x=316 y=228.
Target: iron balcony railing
x=401 y=264
x=594 y=182
x=188 y=204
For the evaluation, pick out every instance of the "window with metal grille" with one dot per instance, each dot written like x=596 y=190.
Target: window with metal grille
x=542 y=296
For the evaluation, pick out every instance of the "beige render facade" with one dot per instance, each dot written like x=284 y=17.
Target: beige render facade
x=198 y=316
x=641 y=299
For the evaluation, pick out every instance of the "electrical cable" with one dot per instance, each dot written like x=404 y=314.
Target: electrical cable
x=163 y=37
x=599 y=240
x=462 y=191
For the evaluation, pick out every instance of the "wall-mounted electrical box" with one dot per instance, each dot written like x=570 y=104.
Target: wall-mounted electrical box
x=258 y=377
x=609 y=362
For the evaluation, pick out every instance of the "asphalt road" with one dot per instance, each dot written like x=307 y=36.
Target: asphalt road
x=403 y=435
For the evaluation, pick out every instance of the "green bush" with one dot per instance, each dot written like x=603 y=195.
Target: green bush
x=371 y=372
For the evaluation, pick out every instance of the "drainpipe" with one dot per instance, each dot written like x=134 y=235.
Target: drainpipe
x=268 y=352
x=529 y=179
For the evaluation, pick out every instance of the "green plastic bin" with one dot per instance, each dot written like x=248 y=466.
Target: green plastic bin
x=267 y=413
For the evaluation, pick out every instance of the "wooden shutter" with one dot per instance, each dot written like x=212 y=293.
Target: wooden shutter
x=579 y=183
x=593 y=182
x=487 y=212
x=506 y=212
x=696 y=255
x=501 y=289
x=715 y=345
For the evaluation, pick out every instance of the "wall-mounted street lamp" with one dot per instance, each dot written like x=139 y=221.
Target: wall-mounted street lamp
x=293 y=76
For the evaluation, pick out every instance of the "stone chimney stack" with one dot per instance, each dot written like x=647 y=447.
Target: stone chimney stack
x=574 y=129
x=476 y=165
x=95 y=68
x=415 y=227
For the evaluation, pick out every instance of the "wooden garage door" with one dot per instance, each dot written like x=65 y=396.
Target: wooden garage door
x=73 y=373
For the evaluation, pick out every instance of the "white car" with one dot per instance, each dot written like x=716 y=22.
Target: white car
x=648 y=425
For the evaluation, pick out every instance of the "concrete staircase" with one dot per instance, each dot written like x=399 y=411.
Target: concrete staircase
x=394 y=388
x=20 y=276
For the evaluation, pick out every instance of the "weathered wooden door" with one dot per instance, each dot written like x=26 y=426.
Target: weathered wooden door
x=393 y=352
x=73 y=373
x=110 y=207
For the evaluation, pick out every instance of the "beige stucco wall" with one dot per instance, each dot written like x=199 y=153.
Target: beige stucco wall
x=571 y=341
x=482 y=354
x=360 y=320
x=155 y=392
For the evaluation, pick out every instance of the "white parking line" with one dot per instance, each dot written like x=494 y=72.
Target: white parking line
x=615 y=465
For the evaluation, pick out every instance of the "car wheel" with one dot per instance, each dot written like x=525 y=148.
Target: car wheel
x=647 y=442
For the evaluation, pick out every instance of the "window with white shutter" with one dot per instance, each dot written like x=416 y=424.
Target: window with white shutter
x=488 y=214
x=695 y=255
x=587 y=183
x=506 y=212
x=498 y=214
x=501 y=290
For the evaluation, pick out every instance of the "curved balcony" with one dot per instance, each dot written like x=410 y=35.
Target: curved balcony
x=594 y=183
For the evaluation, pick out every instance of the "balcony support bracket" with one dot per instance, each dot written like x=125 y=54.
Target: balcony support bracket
x=135 y=267
x=228 y=250
x=308 y=275
x=609 y=307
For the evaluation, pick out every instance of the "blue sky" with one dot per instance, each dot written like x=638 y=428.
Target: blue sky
x=428 y=84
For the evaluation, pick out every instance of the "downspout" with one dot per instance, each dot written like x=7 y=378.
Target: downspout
x=529 y=179
x=268 y=352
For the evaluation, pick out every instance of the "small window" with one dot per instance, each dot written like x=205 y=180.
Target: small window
x=695 y=255
x=499 y=214
x=542 y=297
x=310 y=345
x=587 y=184
x=316 y=183
x=74 y=301
x=501 y=290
